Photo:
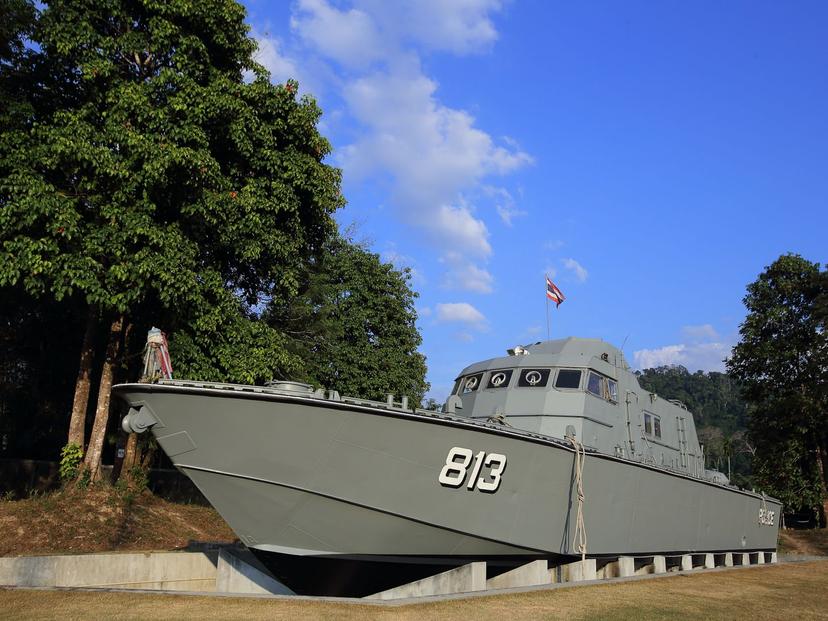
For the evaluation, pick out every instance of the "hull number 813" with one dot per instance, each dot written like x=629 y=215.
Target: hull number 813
x=481 y=471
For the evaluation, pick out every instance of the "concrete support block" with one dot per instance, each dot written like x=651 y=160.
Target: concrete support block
x=530 y=574
x=471 y=577
x=772 y=558
x=627 y=566
x=760 y=558
x=579 y=571
x=709 y=561
x=234 y=575
x=607 y=570
x=728 y=559
x=644 y=566
x=745 y=559
x=659 y=565
x=686 y=562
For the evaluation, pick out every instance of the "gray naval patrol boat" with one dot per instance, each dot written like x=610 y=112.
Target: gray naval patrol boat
x=549 y=452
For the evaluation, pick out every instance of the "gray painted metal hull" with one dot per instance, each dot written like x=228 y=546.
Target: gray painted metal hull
x=298 y=476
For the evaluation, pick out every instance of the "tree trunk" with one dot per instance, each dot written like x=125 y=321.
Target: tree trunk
x=77 y=422
x=822 y=466
x=130 y=455
x=92 y=460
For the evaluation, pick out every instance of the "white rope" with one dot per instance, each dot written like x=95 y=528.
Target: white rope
x=579 y=540
x=764 y=512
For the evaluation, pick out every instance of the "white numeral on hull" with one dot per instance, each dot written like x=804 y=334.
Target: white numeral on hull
x=459 y=459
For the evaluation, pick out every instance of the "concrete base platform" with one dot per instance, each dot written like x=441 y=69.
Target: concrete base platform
x=236 y=571
x=225 y=571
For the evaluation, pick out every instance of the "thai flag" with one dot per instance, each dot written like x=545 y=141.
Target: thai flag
x=553 y=293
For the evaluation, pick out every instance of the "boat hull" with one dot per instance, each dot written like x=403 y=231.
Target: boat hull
x=310 y=484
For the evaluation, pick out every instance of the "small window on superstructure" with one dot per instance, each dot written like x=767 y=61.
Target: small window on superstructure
x=536 y=378
x=568 y=378
x=657 y=426
x=648 y=424
x=499 y=379
x=471 y=383
x=594 y=384
x=613 y=390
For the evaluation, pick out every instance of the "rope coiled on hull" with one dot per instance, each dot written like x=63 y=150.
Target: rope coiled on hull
x=579 y=540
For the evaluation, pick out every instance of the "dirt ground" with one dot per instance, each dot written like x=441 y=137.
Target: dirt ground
x=789 y=591
x=103 y=519
x=806 y=542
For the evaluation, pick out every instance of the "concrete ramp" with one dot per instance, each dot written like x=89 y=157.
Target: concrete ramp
x=239 y=571
x=464 y=579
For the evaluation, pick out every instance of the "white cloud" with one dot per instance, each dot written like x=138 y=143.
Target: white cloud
x=505 y=204
x=576 y=268
x=456 y=227
x=694 y=356
x=464 y=275
x=269 y=54
x=704 y=332
x=349 y=37
x=461 y=312
x=432 y=152
x=424 y=311
x=464 y=337
x=663 y=356
x=459 y=26
x=554 y=244
x=435 y=157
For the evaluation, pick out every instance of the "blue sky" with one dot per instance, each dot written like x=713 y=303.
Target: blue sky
x=651 y=157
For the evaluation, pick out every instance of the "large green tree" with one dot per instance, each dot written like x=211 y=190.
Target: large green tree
x=781 y=362
x=157 y=168
x=354 y=325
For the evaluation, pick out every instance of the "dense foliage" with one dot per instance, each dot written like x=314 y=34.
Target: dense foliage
x=354 y=325
x=781 y=362
x=151 y=174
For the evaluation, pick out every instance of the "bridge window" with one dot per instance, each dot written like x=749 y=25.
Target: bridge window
x=499 y=379
x=568 y=378
x=595 y=384
x=613 y=390
x=471 y=383
x=535 y=378
x=652 y=425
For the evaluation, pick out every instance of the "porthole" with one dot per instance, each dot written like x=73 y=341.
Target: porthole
x=533 y=378
x=472 y=383
x=499 y=379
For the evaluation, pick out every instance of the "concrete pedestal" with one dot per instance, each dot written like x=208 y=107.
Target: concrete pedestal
x=465 y=579
x=531 y=574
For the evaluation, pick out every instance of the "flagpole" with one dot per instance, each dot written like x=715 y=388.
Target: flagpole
x=548 y=337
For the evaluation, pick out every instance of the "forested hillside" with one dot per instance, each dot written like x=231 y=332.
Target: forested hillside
x=720 y=414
